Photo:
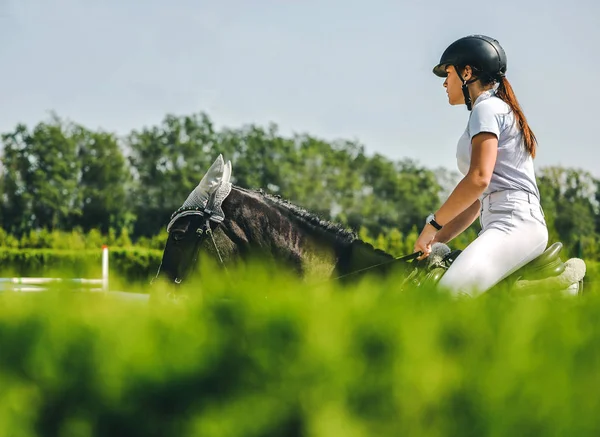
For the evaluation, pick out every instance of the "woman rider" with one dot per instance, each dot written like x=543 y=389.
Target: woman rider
x=495 y=156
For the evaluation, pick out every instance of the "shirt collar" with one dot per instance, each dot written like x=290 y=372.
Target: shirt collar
x=485 y=95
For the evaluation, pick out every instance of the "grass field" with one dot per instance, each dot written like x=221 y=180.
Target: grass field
x=263 y=355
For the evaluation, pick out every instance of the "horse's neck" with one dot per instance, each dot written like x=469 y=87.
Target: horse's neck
x=320 y=253
x=312 y=249
x=260 y=227
x=315 y=251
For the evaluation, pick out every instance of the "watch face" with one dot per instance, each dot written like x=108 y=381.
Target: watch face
x=429 y=218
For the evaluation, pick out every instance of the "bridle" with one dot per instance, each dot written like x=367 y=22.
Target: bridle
x=200 y=232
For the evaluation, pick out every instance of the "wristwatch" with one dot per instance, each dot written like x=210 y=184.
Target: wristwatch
x=430 y=220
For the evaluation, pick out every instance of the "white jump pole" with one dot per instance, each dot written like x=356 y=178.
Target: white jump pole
x=40 y=281
x=105 y=267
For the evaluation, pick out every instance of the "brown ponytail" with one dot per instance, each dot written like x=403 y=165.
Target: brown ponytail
x=506 y=93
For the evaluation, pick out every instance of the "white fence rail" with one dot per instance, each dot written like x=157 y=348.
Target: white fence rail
x=24 y=284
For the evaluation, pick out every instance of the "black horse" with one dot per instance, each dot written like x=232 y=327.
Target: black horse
x=263 y=226
x=231 y=223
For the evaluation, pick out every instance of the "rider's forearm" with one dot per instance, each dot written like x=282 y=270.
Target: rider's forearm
x=462 y=197
x=458 y=224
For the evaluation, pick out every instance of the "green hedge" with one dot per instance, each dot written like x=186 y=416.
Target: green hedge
x=125 y=264
x=268 y=356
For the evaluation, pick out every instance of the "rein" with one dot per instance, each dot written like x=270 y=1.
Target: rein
x=209 y=231
x=206 y=229
x=410 y=257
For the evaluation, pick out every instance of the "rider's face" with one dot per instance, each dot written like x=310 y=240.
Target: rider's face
x=453 y=87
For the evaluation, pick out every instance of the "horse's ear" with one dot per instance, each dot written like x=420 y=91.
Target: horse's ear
x=214 y=187
x=227 y=172
x=214 y=174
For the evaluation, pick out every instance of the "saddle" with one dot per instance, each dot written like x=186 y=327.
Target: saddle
x=548 y=264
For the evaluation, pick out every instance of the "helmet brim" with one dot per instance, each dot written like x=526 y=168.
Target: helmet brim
x=440 y=70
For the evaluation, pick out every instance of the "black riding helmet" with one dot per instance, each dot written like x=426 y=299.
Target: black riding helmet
x=485 y=55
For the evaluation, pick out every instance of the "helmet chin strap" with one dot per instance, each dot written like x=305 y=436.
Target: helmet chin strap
x=465 y=88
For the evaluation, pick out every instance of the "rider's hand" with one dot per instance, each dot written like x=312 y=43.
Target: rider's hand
x=425 y=240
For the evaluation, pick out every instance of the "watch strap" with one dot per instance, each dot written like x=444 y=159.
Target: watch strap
x=435 y=224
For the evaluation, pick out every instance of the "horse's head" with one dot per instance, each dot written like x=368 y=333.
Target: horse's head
x=193 y=225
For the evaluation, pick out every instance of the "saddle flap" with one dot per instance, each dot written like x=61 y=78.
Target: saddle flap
x=548 y=264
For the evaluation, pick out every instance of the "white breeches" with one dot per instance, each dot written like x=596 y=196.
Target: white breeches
x=513 y=233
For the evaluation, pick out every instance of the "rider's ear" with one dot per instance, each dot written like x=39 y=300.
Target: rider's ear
x=467 y=72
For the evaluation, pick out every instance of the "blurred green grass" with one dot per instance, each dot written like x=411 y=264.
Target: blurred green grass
x=258 y=353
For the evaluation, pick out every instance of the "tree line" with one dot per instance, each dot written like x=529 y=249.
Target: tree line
x=59 y=176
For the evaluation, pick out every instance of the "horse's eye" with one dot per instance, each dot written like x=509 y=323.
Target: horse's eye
x=178 y=235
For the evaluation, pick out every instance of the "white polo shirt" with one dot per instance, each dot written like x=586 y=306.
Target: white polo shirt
x=514 y=166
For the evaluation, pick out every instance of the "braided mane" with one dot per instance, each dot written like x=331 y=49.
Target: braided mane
x=338 y=230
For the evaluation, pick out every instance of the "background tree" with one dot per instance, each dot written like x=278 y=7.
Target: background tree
x=104 y=182
x=40 y=178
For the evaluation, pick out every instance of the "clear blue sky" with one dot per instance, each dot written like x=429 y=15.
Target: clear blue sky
x=333 y=68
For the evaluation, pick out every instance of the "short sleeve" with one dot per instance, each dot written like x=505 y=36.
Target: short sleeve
x=483 y=119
